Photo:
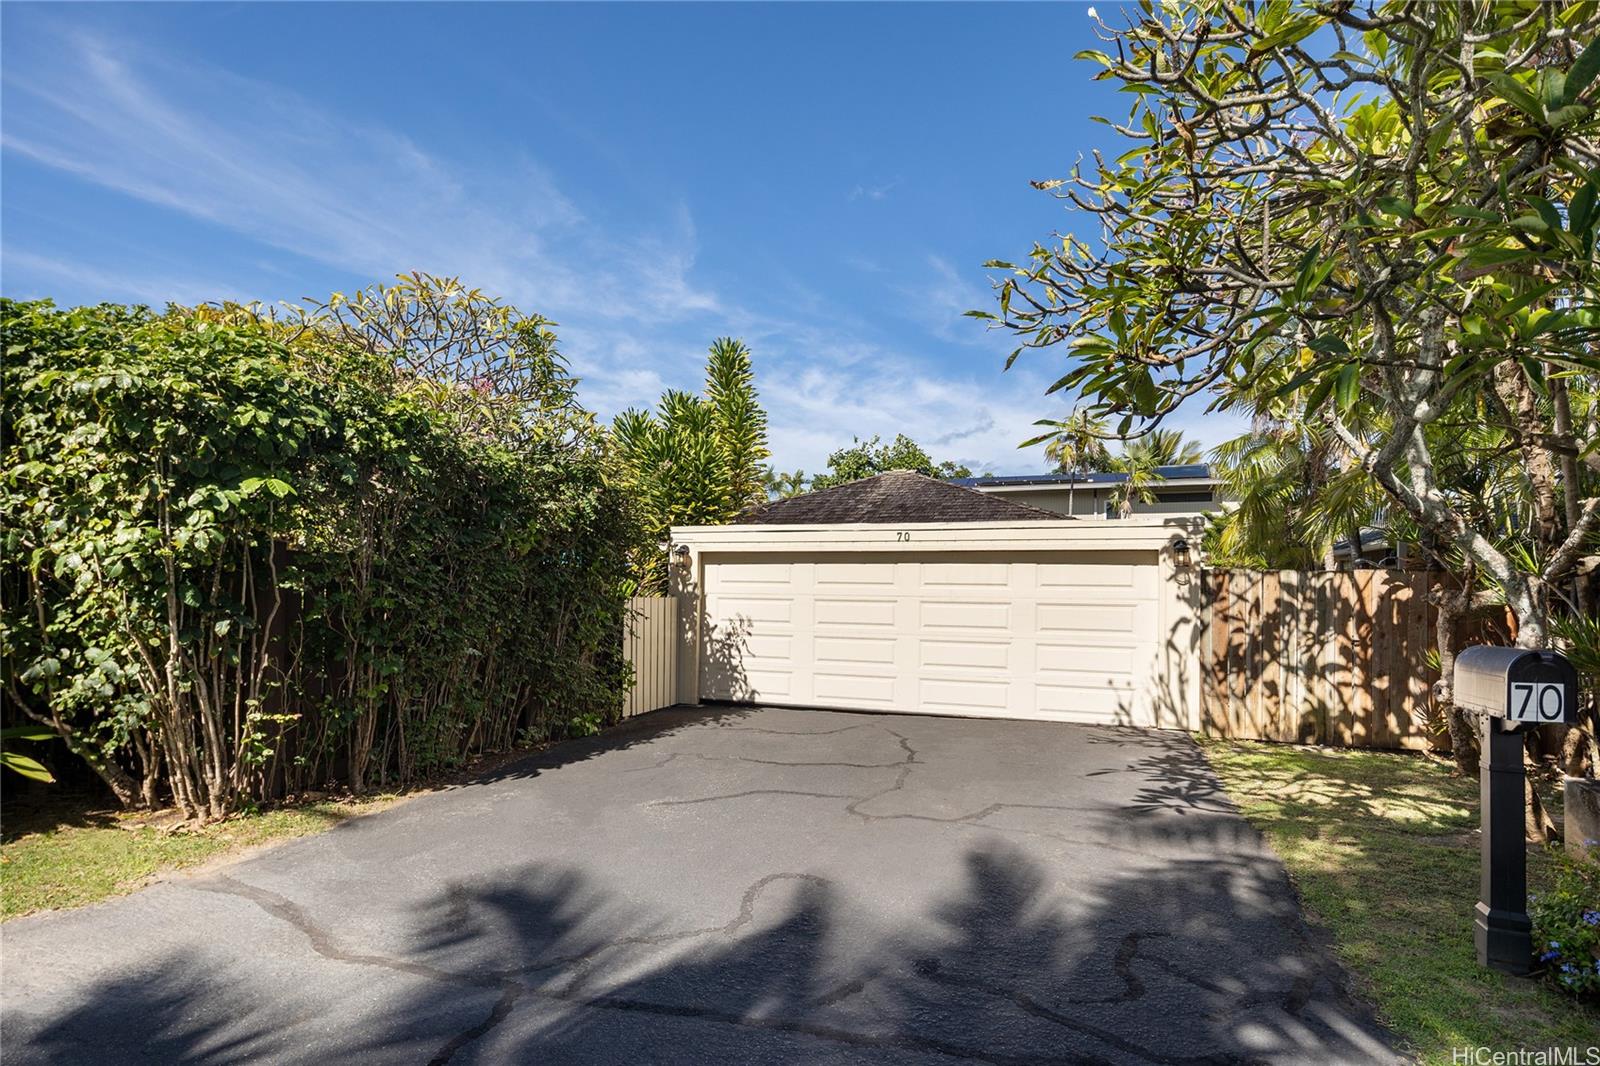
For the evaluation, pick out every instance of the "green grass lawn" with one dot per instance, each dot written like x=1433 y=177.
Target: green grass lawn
x=59 y=854
x=1381 y=849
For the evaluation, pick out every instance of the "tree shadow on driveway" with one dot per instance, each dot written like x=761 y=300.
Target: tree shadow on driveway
x=1194 y=961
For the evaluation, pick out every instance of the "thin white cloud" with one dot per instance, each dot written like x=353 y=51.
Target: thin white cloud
x=151 y=288
x=977 y=418
x=874 y=192
x=364 y=199
x=633 y=313
x=939 y=299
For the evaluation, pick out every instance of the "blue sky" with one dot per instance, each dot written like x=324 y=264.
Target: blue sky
x=823 y=181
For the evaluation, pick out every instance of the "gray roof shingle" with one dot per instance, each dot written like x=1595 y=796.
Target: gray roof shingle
x=894 y=496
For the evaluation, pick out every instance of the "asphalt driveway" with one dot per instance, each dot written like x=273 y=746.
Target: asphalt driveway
x=735 y=886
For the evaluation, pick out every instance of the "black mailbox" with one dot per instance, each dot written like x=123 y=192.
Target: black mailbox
x=1517 y=684
x=1514 y=689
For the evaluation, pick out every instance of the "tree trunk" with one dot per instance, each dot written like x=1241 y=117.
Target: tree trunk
x=1578 y=753
x=122 y=786
x=1516 y=392
x=1452 y=604
x=1537 y=826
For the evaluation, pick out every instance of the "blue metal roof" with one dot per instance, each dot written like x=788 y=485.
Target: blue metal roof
x=1187 y=471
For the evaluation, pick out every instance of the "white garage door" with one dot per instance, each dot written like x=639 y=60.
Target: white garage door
x=1068 y=637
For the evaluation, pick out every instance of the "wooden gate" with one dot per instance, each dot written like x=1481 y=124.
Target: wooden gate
x=1321 y=658
x=651 y=649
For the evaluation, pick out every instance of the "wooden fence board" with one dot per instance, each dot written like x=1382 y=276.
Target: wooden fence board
x=1239 y=601
x=1421 y=637
x=1214 y=698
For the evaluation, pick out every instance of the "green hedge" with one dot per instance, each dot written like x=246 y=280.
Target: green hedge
x=243 y=559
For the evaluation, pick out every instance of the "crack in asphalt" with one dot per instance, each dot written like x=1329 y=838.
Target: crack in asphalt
x=911 y=759
x=709 y=757
x=583 y=964
x=797 y=732
x=932 y=971
x=750 y=792
x=747 y=909
x=327 y=946
x=501 y=1011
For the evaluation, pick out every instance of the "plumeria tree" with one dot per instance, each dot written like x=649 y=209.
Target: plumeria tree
x=1388 y=212
x=1391 y=207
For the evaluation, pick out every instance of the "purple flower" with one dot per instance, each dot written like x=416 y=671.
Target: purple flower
x=1547 y=956
x=1591 y=917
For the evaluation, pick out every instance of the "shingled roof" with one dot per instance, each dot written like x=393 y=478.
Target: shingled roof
x=894 y=496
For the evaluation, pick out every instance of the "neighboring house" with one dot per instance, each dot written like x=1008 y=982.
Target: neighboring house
x=905 y=593
x=1182 y=490
x=896 y=496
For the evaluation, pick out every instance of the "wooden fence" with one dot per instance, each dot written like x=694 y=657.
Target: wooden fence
x=1321 y=658
x=650 y=645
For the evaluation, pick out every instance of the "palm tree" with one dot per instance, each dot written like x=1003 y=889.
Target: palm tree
x=780 y=486
x=1140 y=460
x=1297 y=490
x=1075 y=444
x=1161 y=447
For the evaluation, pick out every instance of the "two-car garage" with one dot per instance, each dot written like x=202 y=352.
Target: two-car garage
x=1065 y=620
x=1009 y=634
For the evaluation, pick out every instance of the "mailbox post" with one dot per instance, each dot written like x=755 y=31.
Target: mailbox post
x=1513 y=689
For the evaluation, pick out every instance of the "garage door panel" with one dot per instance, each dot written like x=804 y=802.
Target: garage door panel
x=767 y=648
x=743 y=680
x=1077 y=575
x=1089 y=703
x=852 y=690
x=854 y=650
x=854 y=574
x=950 y=694
x=772 y=573
x=752 y=609
x=1038 y=637
x=1088 y=680
x=1138 y=579
x=853 y=614
x=966 y=575
x=952 y=614
x=1085 y=658
x=767 y=684
x=1115 y=620
x=964 y=654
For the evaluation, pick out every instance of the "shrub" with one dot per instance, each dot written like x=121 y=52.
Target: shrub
x=1566 y=927
x=243 y=556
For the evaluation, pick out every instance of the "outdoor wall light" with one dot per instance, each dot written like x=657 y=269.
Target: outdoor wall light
x=680 y=555
x=1181 y=557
